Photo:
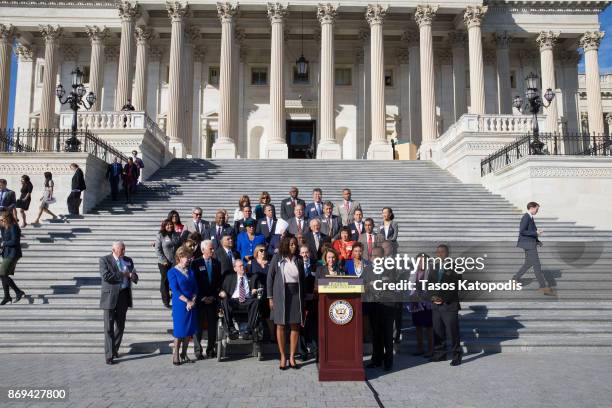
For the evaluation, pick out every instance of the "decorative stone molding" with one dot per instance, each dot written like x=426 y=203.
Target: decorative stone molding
x=364 y=34
x=239 y=35
x=24 y=53
x=128 y=11
x=177 y=11
x=567 y=172
x=277 y=12
x=473 y=15
x=111 y=53
x=71 y=52
x=376 y=13
x=425 y=14
x=50 y=32
x=591 y=40
x=402 y=55
x=61 y=3
x=226 y=11
x=97 y=34
x=193 y=34
x=502 y=40
x=458 y=39
x=35 y=168
x=143 y=34
x=199 y=53
x=7 y=32
x=547 y=40
x=411 y=36
x=326 y=13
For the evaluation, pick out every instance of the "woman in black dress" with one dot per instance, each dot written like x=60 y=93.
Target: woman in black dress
x=259 y=265
x=23 y=204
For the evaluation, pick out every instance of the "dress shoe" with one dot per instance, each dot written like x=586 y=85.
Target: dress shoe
x=116 y=354
x=19 y=295
x=294 y=366
x=210 y=353
x=110 y=361
x=6 y=300
x=167 y=306
x=185 y=359
x=200 y=356
x=233 y=334
x=373 y=364
x=456 y=361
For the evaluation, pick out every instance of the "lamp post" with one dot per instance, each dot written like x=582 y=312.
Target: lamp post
x=76 y=101
x=533 y=102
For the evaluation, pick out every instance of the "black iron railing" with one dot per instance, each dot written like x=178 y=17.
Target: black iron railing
x=547 y=144
x=54 y=140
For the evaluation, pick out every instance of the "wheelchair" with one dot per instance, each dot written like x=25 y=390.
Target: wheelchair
x=240 y=317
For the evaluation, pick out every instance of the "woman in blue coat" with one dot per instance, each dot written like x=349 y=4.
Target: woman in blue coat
x=11 y=252
x=248 y=240
x=184 y=289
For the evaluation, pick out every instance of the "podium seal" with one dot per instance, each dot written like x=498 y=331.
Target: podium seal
x=341 y=312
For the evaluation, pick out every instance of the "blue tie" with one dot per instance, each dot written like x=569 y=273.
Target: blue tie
x=209 y=270
x=440 y=274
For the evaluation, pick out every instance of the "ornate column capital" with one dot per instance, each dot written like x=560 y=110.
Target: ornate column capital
x=424 y=15
x=193 y=34
x=411 y=36
x=364 y=34
x=503 y=40
x=547 y=40
x=473 y=15
x=277 y=12
x=326 y=13
x=50 y=32
x=376 y=13
x=226 y=11
x=24 y=53
x=199 y=53
x=143 y=35
x=7 y=32
x=591 y=40
x=71 y=52
x=457 y=39
x=96 y=34
x=177 y=11
x=240 y=35
x=128 y=11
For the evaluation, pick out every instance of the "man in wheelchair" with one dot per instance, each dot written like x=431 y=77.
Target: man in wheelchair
x=240 y=293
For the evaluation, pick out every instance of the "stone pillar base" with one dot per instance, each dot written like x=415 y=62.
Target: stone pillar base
x=329 y=150
x=380 y=151
x=177 y=149
x=224 y=150
x=277 y=151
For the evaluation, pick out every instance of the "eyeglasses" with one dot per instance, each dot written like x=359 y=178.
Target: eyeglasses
x=197 y=214
x=261 y=250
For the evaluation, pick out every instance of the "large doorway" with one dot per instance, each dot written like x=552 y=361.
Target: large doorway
x=302 y=139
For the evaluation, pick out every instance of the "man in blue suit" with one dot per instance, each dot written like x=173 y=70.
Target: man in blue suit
x=315 y=209
x=529 y=241
x=113 y=175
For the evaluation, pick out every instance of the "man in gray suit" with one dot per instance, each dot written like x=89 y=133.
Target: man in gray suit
x=7 y=197
x=345 y=209
x=117 y=272
x=298 y=225
x=529 y=241
x=330 y=224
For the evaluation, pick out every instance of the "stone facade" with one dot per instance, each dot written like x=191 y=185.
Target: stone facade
x=208 y=74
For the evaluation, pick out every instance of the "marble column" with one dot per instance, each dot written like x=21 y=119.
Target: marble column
x=590 y=44
x=143 y=36
x=7 y=34
x=414 y=79
x=458 y=39
x=328 y=147
x=424 y=16
x=364 y=124
x=547 y=40
x=97 y=36
x=23 y=88
x=472 y=17
x=225 y=145
x=380 y=148
x=174 y=129
x=504 y=87
x=51 y=35
x=128 y=13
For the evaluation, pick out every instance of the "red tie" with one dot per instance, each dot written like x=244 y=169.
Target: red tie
x=299 y=226
x=347 y=206
x=241 y=291
x=369 y=245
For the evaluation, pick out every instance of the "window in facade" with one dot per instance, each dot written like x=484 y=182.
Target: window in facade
x=343 y=76
x=388 y=77
x=213 y=76
x=41 y=74
x=259 y=76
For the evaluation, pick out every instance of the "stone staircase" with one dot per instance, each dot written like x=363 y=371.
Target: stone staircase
x=59 y=271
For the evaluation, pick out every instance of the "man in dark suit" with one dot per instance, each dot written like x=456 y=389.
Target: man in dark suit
x=219 y=229
x=7 y=197
x=288 y=204
x=330 y=224
x=369 y=239
x=308 y=332
x=529 y=240
x=226 y=255
x=357 y=227
x=315 y=208
x=198 y=224
x=77 y=187
x=314 y=240
x=445 y=308
x=208 y=274
x=118 y=274
x=113 y=175
x=238 y=292
x=298 y=225
x=267 y=224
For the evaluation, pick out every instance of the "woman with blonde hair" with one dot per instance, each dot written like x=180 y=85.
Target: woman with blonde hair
x=244 y=201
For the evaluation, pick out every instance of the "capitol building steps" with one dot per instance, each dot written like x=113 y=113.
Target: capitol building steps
x=59 y=270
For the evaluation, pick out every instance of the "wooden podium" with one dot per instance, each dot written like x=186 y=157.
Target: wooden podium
x=340 y=329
